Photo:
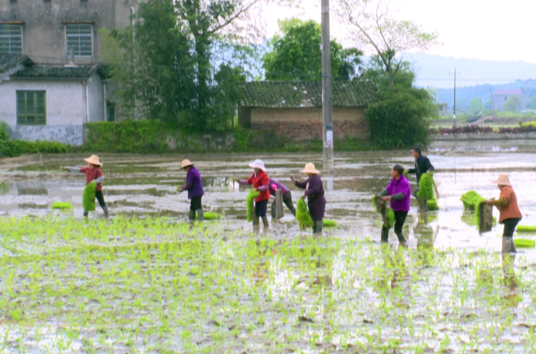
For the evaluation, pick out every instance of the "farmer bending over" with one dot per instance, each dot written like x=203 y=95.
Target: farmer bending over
x=285 y=193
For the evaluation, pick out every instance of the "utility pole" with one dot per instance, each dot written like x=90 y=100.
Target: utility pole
x=327 y=98
x=454 y=115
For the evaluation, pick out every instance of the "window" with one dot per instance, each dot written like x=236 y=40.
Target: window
x=31 y=108
x=80 y=40
x=10 y=39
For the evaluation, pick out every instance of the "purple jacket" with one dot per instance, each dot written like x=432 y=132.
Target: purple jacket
x=314 y=190
x=400 y=186
x=278 y=185
x=194 y=186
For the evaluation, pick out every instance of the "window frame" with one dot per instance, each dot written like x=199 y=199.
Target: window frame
x=22 y=116
x=10 y=36
x=79 y=36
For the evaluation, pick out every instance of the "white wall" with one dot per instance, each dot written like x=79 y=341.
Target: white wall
x=96 y=102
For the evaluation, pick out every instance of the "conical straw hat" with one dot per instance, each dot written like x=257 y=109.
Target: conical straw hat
x=503 y=180
x=310 y=169
x=94 y=160
x=258 y=164
x=186 y=163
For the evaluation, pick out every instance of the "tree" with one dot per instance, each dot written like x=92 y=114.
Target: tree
x=373 y=28
x=514 y=103
x=351 y=64
x=531 y=104
x=296 y=55
x=226 y=94
x=488 y=105
x=476 y=105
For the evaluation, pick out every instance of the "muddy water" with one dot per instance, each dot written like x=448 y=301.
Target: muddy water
x=147 y=184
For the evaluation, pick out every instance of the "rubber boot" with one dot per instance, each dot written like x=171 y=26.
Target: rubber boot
x=402 y=239
x=200 y=215
x=265 y=223
x=385 y=235
x=317 y=228
x=255 y=223
x=191 y=216
x=106 y=213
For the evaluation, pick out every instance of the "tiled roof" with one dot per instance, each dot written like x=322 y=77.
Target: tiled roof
x=56 y=71
x=287 y=94
x=9 y=61
x=509 y=92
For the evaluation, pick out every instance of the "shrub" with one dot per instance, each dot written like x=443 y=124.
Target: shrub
x=399 y=118
x=88 y=198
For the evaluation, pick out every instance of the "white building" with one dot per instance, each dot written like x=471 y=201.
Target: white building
x=51 y=102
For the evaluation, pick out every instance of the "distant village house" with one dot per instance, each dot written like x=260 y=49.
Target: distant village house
x=501 y=96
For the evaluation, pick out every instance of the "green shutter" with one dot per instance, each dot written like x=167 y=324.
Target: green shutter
x=31 y=108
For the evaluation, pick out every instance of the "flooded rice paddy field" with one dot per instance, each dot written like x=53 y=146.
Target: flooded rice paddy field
x=146 y=282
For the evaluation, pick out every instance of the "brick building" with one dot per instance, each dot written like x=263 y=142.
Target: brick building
x=294 y=109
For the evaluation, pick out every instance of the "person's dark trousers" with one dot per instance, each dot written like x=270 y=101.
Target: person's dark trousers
x=195 y=205
x=508 y=245
x=261 y=208
x=400 y=218
x=287 y=199
x=100 y=199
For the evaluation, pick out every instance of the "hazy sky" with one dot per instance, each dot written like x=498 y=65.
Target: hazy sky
x=472 y=29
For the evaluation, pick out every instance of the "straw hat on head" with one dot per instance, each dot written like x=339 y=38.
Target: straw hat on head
x=258 y=164
x=310 y=169
x=94 y=160
x=503 y=180
x=186 y=163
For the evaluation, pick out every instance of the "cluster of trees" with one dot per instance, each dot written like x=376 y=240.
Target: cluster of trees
x=183 y=63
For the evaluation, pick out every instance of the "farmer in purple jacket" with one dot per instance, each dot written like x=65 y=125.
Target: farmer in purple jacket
x=285 y=193
x=314 y=192
x=398 y=192
x=194 y=186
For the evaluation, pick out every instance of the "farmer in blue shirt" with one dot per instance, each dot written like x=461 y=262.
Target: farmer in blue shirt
x=194 y=186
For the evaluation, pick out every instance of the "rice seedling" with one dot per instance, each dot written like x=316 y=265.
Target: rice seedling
x=212 y=216
x=62 y=205
x=426 y=187
x=526 y=228
x=471 y=199
x=249 y=199
x=88 y=197
x=524 y=243
x=329 y=223
x=390 y=213
x=302 y=215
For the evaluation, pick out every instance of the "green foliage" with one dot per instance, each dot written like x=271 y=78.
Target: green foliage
x=88 y=197
x=211 y=216
x=62 y=205
x=242 y=138
x=524 y=243
x=296 y=56
x=4 y=138
x=127 y=136
x=531 y=104
x=514 y=103
x=526 y=228
x=253 y=193
x=14 y=148
x=390 y=213
x=426 y=187
x=432 y=204
x=476 y=105
x=302 y=215
x=400 y=118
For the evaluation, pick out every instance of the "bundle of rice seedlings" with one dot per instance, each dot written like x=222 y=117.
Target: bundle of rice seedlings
x=302 y=215
x=426 y=187
x=524 y=243
x=211 y=216
x=526 y=228
x=432 y=204
x=88 y=198
x=470 y=200
x=62 y=205
x=477 y=214
x=390 y=213
x=250 y=208
x=329 y=223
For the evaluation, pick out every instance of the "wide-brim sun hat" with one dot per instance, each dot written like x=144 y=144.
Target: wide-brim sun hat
x=93 y=160
x=186 y=163
x=310 y=169
x=258 y=164
x=503 y=180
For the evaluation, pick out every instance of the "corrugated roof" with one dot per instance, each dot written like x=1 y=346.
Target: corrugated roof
x=287 y=94
x=9 y=61
x=51 y=71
